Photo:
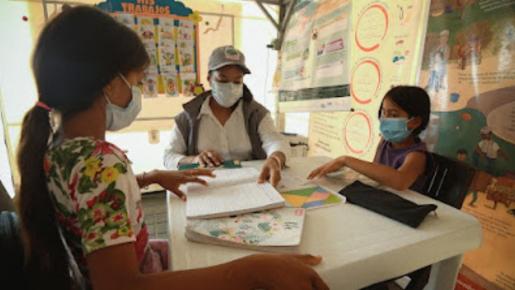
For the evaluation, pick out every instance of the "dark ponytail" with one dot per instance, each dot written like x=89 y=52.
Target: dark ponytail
x=77 y=54
x=47 y=257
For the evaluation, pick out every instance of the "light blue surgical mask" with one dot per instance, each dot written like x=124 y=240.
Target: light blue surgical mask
x=226 y=94
x=117 y=117
x=394 y=129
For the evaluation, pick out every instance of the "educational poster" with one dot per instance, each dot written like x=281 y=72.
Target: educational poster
x=188 y=84
x=169 y=32
x=325 y=136
x=127 y=19
x=314 y=56
x=469 y=71
x=385 y=50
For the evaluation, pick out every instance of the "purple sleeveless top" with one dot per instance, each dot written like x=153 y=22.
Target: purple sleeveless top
x=389 y=156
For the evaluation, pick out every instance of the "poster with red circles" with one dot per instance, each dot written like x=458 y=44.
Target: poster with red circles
x=386 y=52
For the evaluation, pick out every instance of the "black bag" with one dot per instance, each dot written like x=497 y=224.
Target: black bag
x=387 y=204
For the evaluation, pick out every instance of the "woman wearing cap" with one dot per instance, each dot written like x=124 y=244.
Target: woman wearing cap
x=226 y=123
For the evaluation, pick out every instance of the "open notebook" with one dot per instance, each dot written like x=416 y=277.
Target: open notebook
x=232 y=192
x=272 y=230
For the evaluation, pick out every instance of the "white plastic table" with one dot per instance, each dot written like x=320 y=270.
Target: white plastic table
x=358 y=247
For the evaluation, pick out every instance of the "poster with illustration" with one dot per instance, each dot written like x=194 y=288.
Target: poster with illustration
x=166 y=29
x=469 y=71
x=146 y=29
x=150 y=83
x=185 y=31
x=169 y=31
x=167 y=59
x=188 y=83
x=186 y=56
x=170 y=83
x=127 y=19
x=154 y=61
x=314 y=57
x=385 y=48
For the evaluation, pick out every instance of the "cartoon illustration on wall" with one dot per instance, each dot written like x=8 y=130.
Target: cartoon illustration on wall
x=487 y=151
x=469 y=71
x=438 y=59
x=150 y=86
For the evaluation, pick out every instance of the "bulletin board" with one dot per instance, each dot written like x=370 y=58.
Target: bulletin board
x=314 y=58
x=169 y=32
x=385 y=50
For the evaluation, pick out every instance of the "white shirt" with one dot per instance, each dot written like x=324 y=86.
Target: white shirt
x=489 y=147
x=231 y=140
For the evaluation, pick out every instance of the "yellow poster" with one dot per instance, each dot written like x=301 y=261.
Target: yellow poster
x=386 y=51
x=325 y=134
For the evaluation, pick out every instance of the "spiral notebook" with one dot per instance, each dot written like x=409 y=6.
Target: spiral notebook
x=232 y=192
x=273 y=230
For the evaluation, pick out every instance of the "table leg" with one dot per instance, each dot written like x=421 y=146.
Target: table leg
x=444 y=274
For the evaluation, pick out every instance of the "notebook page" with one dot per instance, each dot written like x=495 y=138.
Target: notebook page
x=233 y=199
x=225 y=177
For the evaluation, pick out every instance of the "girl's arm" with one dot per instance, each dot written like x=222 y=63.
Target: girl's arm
x=116 y=267
x=399 y=179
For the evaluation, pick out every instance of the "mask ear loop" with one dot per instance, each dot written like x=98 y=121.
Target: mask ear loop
x=107 y=99
x=125 y=81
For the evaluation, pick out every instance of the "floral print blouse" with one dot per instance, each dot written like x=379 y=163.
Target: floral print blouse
x=97 y=197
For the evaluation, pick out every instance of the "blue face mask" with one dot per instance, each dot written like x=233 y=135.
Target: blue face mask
x=394 y=129
x=117 y=117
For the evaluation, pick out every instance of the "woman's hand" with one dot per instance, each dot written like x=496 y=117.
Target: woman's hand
x=329 y=167
x=271 y=171
x=208 y=158
x=171 y=180
x=271 y=272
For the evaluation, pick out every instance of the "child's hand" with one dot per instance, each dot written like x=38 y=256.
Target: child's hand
x=329 y=167
x=268 y=271
x=171 y=180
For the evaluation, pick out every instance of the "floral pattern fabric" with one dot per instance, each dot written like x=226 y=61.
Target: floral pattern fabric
x=97 y=197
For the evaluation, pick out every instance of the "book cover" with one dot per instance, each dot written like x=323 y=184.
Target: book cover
x=279 y=228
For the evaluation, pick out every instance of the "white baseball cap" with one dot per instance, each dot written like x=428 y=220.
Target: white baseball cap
x=227 y=55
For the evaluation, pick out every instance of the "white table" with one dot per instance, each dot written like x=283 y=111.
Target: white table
x=358 y=247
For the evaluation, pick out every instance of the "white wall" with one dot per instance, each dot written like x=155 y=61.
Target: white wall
x=5 y=165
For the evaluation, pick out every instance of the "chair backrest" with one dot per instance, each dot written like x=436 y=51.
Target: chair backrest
x=11 y=252
x=449 y=180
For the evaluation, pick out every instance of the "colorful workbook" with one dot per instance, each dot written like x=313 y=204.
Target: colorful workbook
x=311 y=197
x=273 y=230
x=231 y=192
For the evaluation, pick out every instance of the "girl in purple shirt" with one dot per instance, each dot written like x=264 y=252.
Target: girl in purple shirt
x=400 y=160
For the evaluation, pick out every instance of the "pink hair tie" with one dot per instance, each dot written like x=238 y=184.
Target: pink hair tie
x=43 y=105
